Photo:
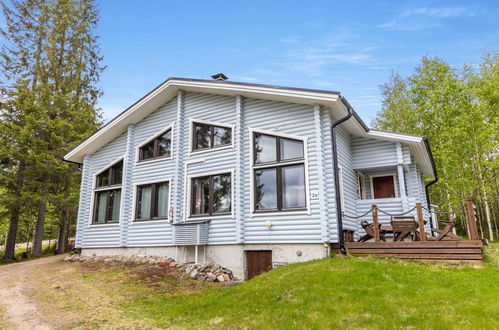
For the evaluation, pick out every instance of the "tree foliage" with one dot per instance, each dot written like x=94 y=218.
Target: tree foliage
x=50 y=64
x=459 y=113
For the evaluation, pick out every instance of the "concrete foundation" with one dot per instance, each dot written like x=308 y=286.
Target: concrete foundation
x=230 y=256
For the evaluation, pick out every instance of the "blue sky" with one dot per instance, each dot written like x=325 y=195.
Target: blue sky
x=348 y=46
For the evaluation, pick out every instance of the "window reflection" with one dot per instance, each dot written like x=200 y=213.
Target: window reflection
x=211 y=195
x=265 y=148
x=266 y=189
x=291 y=149
x=293 y=186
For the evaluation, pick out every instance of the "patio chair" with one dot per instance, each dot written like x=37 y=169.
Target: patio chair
x=369 y=229
x=404 y=227
x=446 y=234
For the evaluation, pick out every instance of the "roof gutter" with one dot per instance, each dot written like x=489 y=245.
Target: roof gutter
x=427 y=186
x=339 y=211
x=80 y=165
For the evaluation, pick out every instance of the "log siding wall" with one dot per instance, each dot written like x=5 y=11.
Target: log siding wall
x=313 y=123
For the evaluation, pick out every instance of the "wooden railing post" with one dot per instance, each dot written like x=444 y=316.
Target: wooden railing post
x=374 y=210
x=470 y=216
x=422 y=231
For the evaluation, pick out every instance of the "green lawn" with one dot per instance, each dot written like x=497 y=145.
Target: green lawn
x=338 y=293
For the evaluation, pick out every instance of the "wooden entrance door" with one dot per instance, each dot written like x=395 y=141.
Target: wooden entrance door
x=258 y=262
x=383 y=186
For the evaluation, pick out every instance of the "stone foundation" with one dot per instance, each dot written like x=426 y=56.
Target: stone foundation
x=232 y=257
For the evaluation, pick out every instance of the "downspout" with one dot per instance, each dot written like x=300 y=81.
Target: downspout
x=339 y=211
x=428 y=202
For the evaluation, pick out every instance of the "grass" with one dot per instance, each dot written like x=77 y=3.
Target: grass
x=3 y=320
x=349 y=293
x=339 y=293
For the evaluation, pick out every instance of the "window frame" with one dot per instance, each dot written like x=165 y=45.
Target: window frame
x=136 y=201
x=276 y=164
x=393 y=174
x=155 y=137
x=108 y=188
x=212 y=124
x=190 y=193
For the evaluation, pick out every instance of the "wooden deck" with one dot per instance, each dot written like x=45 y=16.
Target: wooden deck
x=426 y=250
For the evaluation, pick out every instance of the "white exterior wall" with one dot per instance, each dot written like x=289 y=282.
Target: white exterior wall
x=315 y=226
x=295 y=119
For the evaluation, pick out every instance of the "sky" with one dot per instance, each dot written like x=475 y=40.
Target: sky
x=347 y=46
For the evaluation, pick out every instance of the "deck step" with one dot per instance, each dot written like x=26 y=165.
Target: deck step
x=430 y=250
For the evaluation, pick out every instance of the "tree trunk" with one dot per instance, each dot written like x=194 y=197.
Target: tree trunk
x=487 y=216
x=10 y=245
x=62 y=238
x=38 y=237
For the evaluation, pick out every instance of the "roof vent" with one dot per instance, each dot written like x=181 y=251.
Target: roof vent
x=219 y=76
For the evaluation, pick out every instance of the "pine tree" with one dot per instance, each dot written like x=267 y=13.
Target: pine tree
x=52 y=65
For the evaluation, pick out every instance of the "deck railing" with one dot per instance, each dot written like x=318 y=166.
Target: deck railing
x=375 y=212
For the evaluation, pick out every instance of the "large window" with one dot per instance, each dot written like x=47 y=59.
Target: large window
x=279 y=173
x=152 y=201
x=107 y=200
x=211 y=195
x=210 y=136
x=157 y=148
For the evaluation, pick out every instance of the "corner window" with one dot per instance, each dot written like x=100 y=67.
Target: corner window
x=107 y=198
x=157 y=148
x=211 y=195
x=279 y=173
x=152 y=201
x=210 y=136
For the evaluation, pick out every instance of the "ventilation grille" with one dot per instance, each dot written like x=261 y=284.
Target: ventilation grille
x=191 y=233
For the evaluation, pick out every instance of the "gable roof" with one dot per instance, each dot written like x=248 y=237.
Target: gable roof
x=167 y=90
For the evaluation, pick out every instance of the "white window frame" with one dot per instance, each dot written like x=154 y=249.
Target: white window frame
x=193 y=121
x=188 y=216
x=361 y=185
x=253 y=167
x=133 y=220
x=139 y=162
x=94 y=190
x=371 y=176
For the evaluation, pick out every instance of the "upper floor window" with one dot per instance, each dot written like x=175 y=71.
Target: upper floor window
x=157 y=148
x=206 y=136
x=211 y=195
x=107 y=198
x=279 y=173
x=152 y=201
x=275 y=149
x=111 y=176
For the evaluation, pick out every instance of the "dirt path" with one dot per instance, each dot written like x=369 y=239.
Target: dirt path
x=19 y=309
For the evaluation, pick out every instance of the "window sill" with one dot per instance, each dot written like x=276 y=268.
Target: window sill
x=203 y=151
x=150 y=161
x=140 y=222
x=113 y=224
x=281 y=213
x=211 y=217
